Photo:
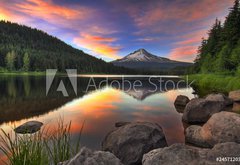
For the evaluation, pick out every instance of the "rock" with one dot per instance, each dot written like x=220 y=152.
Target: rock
x=193 y=136
x=183 y=154
x=29 y=127
x=221 y=127
x=236 y=107
x=200 y=110
x=88 y=157
x=179 y=109
x=220 y=98
x=181 y=100
x=228 y=149
x=121 y=123
x=131 y=141
x=234 y=95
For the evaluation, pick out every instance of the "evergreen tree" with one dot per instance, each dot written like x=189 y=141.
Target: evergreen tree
x=220 y=52
x=10 y=60
x=26 y=62
x=231 y=31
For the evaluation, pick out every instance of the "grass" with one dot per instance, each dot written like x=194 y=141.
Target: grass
x=208 y=83
x=41 y=148
x=21 y=73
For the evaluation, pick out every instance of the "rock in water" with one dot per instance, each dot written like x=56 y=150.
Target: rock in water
x=183 y=154
x=88 y=157
x=221 y=127
x=181 y=100
x=235 y=95
x=129 y=142
x=220 y=98
x=29 y=127
x=200 y=110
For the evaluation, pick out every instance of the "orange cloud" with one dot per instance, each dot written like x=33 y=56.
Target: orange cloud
x=98 y=44
x=186 y=47
x=4 y=15
x=186 y=53
x=48 y=10
x=7 y=14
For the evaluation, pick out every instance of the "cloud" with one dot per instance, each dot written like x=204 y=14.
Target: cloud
x=100 y=45
x=185 y=53
x=104 y=28
x=48 y=10
x=185 y=48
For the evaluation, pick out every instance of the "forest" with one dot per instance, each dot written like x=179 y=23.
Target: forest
x=220 y=52
x=26 y=49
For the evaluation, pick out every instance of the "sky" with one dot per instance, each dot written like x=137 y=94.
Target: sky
x=111 y=29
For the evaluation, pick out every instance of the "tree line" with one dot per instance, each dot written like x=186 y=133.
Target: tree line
x=220 y=52
x=26 y=49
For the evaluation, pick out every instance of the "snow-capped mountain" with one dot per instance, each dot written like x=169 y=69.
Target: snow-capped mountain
x=144 y=56
x=147 y=61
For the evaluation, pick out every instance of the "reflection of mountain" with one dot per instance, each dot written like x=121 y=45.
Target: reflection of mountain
x=140 y=94
x=148 y=88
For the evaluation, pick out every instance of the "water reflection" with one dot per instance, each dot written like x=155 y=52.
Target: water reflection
x=24 y=98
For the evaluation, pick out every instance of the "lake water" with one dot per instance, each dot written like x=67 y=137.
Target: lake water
x=23 y=98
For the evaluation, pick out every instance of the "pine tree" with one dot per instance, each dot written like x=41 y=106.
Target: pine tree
x=231 y=31
x=10 y=60
x=26 y=62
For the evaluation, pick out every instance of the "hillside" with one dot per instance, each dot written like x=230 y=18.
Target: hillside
x=220 y=52
x=142 y=59
x=24 y=48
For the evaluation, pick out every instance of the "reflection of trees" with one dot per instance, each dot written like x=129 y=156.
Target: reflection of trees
x=11 y=88
x=25 y=96
x=26 y=85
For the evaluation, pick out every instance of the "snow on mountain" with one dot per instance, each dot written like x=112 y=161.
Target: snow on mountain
x=143 y=56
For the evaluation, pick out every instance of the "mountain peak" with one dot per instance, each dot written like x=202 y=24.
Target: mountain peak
x=142 y=55
x=142 y=59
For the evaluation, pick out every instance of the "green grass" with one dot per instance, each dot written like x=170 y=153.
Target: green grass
x=23 y=73
x=42 y=148
x=208 y=83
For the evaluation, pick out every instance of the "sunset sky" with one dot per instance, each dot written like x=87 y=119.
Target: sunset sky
x=111 y=29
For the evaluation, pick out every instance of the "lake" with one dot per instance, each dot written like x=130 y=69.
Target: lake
x=100 y=101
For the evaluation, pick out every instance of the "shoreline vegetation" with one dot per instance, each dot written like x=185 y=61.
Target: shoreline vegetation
x=22 y=73
x=205 y=84
x=43 y=147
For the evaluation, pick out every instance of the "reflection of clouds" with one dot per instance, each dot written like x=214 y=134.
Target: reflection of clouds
x=102 y=108
x=172 y=94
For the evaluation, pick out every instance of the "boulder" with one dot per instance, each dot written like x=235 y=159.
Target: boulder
x=89 y=157
x=183 y=154
x=234 y=95
x=220 y=98
x=200 y=110
x=236 y=107
x=193 y=136
x=29 y=127
x=129 y=142
x=221 y=127
x=179 y=109
x=181 y=100
x=121 y=123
